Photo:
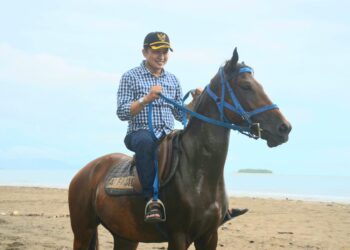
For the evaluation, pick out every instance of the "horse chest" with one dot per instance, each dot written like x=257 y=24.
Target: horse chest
x=214 y=209
x=205 y=200
x=205 y=218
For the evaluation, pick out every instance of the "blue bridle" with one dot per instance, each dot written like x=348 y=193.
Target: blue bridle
x=224 y=122
x=237 y=107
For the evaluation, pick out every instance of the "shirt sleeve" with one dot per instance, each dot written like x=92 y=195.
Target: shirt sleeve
x=125 y=97
x=178 y=98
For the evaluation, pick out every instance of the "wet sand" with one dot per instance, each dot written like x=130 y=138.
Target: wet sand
x=38 y=218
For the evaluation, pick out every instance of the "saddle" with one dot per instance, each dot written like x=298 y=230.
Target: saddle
x=122 y=178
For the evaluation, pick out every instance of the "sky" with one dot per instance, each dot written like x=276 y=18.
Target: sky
x=61 y=62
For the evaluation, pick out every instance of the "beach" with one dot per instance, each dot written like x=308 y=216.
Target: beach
x=38 y=218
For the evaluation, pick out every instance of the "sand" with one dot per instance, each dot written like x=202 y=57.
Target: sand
x=38 y=218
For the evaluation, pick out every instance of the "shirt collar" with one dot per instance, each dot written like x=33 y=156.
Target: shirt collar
x=146 y=71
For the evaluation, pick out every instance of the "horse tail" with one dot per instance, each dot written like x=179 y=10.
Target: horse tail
x=94 y=241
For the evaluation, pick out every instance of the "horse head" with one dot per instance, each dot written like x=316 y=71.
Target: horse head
x=242 y=101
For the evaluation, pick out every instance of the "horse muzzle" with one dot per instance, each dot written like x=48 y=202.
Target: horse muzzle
x=277 y=135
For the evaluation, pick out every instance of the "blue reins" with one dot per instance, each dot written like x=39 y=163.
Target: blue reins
x=221 y=104
x=223 y=122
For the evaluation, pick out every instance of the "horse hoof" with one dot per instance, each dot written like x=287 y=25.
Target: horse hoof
x=237 y=212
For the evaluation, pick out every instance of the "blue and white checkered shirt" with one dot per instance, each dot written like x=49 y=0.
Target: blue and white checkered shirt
x=136 y=83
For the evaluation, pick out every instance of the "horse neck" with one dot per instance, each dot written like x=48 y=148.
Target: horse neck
x=206 y=144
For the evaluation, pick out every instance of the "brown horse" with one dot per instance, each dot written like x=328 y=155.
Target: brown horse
x=195 y=197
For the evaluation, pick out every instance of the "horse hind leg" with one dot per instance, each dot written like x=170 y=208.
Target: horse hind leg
x=84 y=225
x=123 y=244
x=93 y=244
x=86 y=239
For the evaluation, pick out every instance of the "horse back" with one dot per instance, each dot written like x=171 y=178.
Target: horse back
x=94 y=172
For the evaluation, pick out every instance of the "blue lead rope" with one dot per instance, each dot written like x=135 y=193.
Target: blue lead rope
x=202 y=117
x=155 y=182
x=149 y=120
x=151 y=130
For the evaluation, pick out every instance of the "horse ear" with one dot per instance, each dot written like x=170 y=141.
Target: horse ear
x=233 y=62
x=234 y=59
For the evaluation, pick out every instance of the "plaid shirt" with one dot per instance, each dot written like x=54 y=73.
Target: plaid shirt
x=136 y=83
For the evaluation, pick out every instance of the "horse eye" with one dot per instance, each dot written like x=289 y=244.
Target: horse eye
x=246 y=86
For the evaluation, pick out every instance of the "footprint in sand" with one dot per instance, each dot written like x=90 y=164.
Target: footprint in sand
x=2 y=221
x=15 y=246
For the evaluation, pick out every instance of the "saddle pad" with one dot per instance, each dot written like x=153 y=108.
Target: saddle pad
x=120 y=179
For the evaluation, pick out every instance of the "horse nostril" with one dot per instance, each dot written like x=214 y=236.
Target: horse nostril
x=284 y=128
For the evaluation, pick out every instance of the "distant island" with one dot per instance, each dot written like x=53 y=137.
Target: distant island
x=254 y=171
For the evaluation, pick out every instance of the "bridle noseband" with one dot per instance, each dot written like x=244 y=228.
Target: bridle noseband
x=252 y=129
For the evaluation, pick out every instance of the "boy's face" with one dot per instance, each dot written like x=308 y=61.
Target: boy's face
x=156 y=59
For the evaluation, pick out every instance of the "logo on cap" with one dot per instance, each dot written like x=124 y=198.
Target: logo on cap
x=161 y=37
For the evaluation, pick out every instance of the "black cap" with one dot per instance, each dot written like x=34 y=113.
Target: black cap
x=157 y=40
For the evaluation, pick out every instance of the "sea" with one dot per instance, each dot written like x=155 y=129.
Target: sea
x=277 y=186
x=293 y=187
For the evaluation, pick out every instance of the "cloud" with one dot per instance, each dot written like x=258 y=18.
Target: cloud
x=44 y=69
x=52 y=104
x=29 y=152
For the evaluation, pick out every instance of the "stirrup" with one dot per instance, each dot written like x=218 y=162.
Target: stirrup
x=161 y=207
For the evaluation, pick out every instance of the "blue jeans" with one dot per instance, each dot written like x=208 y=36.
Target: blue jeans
x=142 y=143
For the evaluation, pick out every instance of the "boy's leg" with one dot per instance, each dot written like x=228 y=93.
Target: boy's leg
x=143 y=144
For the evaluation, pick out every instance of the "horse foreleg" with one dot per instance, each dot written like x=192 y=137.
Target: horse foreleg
x=207 y=242
x=122 y=244
x=177 y=242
